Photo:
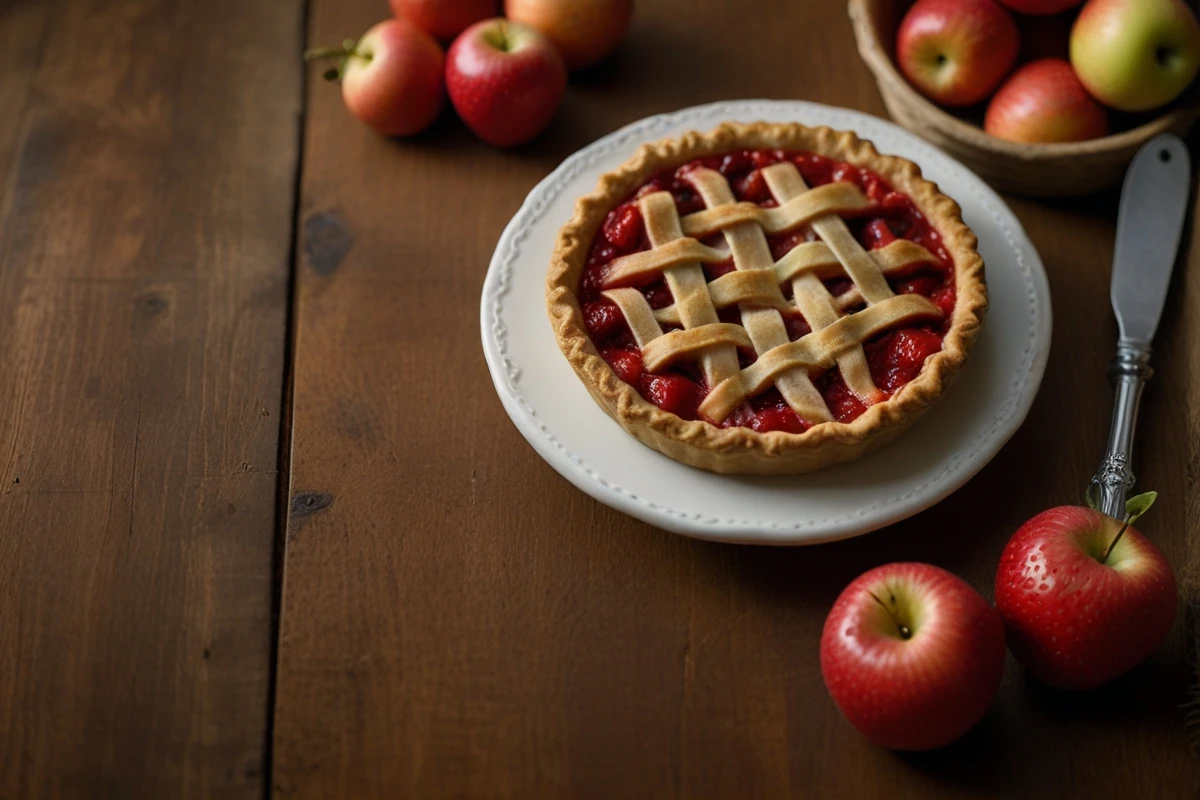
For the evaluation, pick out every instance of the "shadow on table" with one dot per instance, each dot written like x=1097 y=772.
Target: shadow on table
x=979 y=760
x=1031 y=723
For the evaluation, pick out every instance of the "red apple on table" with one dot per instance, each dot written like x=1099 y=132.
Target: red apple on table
x=1135 y=55
x=506 y=81
x=443 y=19
x=912 y=656
x=956 y=52
x=1041 y=7
x=391 y=77
x=584 y=31
x=1045 y=102
x=1075 y=619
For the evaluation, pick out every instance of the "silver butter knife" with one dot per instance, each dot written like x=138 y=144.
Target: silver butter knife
x=1154 y=203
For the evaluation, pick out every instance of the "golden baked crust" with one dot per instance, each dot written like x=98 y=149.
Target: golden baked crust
x=739 y=449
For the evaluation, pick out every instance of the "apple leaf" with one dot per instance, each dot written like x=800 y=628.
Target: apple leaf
x=1092 y=496
x=1138 y=506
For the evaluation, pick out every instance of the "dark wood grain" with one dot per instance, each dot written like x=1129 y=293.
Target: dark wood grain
x=1189 y=264
x=458 y=620
x=147 y=156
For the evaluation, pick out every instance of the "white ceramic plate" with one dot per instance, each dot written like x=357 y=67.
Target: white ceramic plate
x=960 y=435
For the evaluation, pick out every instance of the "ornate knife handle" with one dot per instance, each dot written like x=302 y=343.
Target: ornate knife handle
x=1129 y=371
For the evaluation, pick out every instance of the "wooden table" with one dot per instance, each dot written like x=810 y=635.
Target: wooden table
x=264 y=525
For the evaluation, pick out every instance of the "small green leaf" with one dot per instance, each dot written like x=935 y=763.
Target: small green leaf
x=1137 y=506
x=331 y=74
x=1092 y=496
x=348 y=45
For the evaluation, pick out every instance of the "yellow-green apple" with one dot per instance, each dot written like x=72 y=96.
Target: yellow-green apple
x=1135 y=55
x=584 y=31
x=1077 y=615
x=956 y=52
x=443 y=19
x=912 y=655
x=1045 y=102
x=1041 y=7
x=506 y=81
x=391 y=77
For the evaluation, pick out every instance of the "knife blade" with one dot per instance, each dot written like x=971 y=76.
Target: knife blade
x=1154 y=204
x=1149 y=229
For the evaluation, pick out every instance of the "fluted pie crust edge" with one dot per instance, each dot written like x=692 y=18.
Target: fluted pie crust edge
x=739 y=449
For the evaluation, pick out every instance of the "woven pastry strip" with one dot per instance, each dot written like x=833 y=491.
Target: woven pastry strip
x=755 y=288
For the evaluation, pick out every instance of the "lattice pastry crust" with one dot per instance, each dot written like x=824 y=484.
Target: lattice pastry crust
x=838 y=329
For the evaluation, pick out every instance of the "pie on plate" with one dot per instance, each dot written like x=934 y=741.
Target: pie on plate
x=766 y=298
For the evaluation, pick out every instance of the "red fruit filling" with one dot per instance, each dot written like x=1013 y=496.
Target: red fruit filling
x=895 y=357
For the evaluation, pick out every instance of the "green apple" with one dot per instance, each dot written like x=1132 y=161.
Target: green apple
x=1135 y=55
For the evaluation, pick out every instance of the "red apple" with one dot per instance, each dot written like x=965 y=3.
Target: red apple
x=506 y=81
x=443 y=19
x=1045 y=102
x=1074 y=619
x=584 y=31
x=391 y=77
x=912 y=656
x=956 y=52
x=1041 y=7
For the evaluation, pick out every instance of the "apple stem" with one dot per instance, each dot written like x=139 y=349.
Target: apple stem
x=905 y=631
x=348 y=50
x=318 y=53
x=1120 y=533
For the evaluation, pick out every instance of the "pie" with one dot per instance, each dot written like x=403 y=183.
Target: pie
x=766 y=298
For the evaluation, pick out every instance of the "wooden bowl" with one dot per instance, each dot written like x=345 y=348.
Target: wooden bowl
x=1037 y=170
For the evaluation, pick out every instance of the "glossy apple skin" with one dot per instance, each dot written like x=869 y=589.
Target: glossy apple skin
x=925 y=691
x=1044 y=102
x=1040 y=7
x=1073 y=622
x=584 y=31
x=444 y=19
x=1136 y=55
x=394 y=83
x=956 y=52
x=505 y=80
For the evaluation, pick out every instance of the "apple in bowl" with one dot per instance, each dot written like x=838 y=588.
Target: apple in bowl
x=1044 y=102
x=1136 y=55
x=912 y=656
x=956 y=52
